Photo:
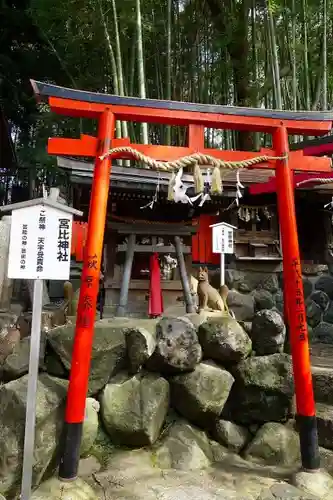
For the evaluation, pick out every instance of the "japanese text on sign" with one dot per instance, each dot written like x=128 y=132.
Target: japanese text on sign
x=24 y=239
x=42 y=220
x=40 y=242
x=63 y=240
x=40 y=254
x=223 y=239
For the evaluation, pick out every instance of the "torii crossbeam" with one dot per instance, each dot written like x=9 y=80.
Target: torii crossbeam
x=109 y=108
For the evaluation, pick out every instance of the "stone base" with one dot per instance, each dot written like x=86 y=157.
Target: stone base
x=55 y=489
x=318 y=483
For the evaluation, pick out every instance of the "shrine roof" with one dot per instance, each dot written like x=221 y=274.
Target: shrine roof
x=86 y=104
x=83 y=170
x=46 y=90
x=322 y=146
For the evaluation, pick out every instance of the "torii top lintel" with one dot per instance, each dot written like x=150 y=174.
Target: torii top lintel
x=197 y=117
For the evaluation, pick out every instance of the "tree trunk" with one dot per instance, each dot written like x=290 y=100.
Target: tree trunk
x=231 y=22
x=169 y=66
x=274 y=59
x=142 y=81
x=324 y=106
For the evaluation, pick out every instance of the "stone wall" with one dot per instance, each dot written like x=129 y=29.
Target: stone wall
x=254 y=290
x=192 y=390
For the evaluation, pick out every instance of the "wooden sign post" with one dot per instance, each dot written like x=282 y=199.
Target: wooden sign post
x=39 y=249
x=223 y=243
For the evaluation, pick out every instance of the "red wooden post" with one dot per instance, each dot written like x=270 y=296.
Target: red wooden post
x=294 y=299
x=84 y=331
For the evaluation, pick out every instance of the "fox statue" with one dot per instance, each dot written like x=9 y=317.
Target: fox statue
x=209 y=297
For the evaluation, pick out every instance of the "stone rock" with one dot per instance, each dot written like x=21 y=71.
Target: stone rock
x=325 y=425
x=307 y=287
x=201 y=395
x=320 y=298
x=219 y=451
x=263 y=390
x=54 y=489
x=322 y=384
x=197 y=318
x=313 y=313
x=234 y=437
x=253 y=405
x=50 y=319
x=51 y=394
x=325 y=284
x=140 y=345
x=177 y=346
x=318 y=483
x=246 y=281
x=224 y=340
x=247 y=326
x=17 y=363
x=263 y=300
x=134 y=408
x=9 y=339
x=270 y=283
x=268 y=332
x=274 y=444
x=90 y=426
x=54 y=365
x=284 y=491
x=271 y=373
x=314 y=269
x=234 y=279
x=279 y=301
x=202 y=316
x=108 y=352
x=244 y=288
x=88 y=466
x=185 y=447
x=242 y=305
x=140 y=478
x=8 y=320
x=323 y=333
x=328 y=315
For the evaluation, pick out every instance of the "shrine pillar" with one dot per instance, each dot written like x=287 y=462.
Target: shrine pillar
x=190 y=308
x=125 y=283
x=84 y=330
x=294 y=305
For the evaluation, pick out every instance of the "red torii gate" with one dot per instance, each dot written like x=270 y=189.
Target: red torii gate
x=107 y=109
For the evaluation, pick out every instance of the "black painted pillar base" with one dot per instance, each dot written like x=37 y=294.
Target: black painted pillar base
x=308 y=436
x=70 y=451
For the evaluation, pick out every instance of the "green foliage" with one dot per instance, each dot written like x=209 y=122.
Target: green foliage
x=219 y=53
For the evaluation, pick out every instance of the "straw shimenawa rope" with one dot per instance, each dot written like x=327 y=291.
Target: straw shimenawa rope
x=189 y=161
x=319 y=180
x=220 y=167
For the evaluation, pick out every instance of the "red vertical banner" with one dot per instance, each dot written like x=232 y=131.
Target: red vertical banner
x=155 y=306
x=202 y=245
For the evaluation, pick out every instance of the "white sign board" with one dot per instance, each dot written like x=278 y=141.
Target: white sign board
x=40 y=243
x=223 y=239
